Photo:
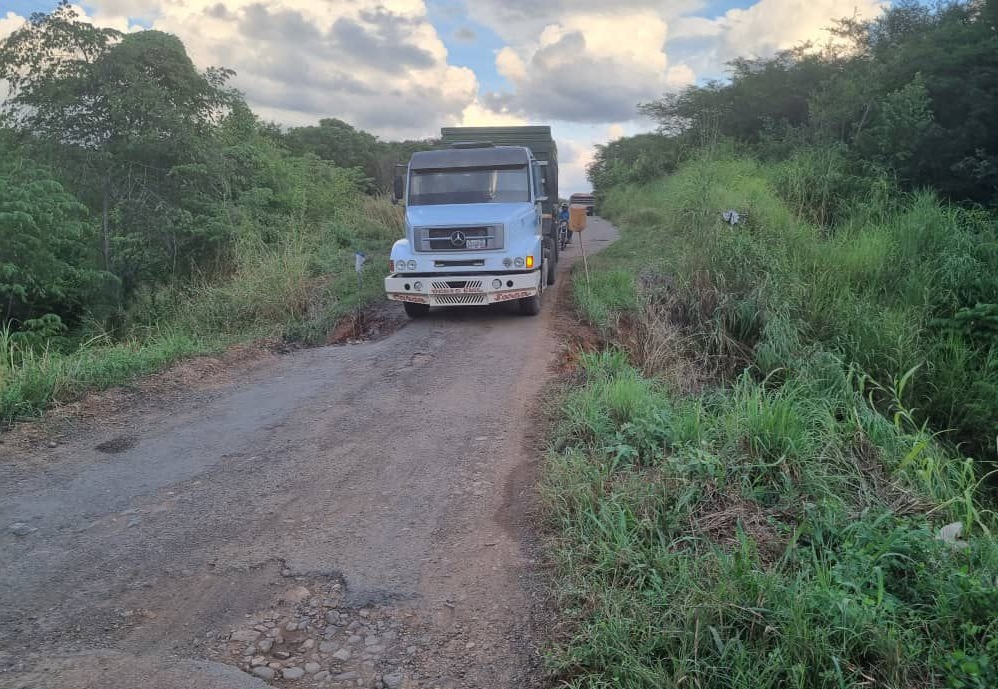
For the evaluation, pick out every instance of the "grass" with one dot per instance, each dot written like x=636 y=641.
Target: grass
x=297 y=287
x=748 y=490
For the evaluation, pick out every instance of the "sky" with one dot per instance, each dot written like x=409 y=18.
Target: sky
x=405 y=68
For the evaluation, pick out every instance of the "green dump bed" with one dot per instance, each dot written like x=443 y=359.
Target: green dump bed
x=536 y=138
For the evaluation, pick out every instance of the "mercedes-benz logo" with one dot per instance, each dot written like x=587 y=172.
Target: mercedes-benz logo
x=458 y=238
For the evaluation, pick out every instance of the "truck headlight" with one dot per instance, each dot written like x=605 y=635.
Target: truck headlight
x=411 y=265
x=518 y=262
x=497 y=284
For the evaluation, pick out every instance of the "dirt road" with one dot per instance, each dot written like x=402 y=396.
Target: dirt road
x=352 y=516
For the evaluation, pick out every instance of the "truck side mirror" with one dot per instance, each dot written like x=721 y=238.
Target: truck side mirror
x=398 y=190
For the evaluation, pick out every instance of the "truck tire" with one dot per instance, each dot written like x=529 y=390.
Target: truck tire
x=531 y=306
x=551 y=260
x=415 y=310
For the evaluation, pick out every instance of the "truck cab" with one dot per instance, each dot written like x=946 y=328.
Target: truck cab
x=474 y=230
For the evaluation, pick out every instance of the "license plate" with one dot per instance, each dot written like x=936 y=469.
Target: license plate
x=510 y=296
x=476 y=243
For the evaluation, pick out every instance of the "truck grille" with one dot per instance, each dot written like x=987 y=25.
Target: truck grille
x=457 y=284
x=481 y=238
x=460 y=299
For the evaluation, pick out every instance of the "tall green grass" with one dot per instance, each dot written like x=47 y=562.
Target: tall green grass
x=884 y=287
x=754 y=478
x=294 y=281
x=764 y=536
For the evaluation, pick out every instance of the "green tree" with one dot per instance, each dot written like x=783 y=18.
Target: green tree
x=47 y=259
x=118 y=115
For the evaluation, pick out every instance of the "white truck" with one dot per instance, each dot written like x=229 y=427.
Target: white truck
x=478 y=227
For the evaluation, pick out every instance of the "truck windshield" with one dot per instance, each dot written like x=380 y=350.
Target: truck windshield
x=469 y=185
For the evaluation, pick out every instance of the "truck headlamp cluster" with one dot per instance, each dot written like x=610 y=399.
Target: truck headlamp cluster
x=411 y=265
x=518 y=262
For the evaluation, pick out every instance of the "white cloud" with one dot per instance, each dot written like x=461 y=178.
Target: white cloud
x=764 y=28
x=477 y=115
x=580 y=61
x=380 y=66
x=579 y=69
x=772 y=25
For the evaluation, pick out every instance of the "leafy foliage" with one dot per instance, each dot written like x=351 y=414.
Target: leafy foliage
x=46 y=246
x=914 y=91
x=147 y=214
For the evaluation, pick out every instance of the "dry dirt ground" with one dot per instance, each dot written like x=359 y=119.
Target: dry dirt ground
x=346 y=516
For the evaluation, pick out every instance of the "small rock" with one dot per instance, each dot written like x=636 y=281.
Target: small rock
x=21 y=529
x=264 y=672
x=275 y=666
x=261 y=628
x=283 y=655
x=371 y=640
x=393 y=681
x=312 y=668
x=291 y=626
x=470 y=645
x=273 y=632
x=266 y=645
x=375 y=649
x=411 y=650
x=354 y=639
x=296 y=594
x=365 y=613
x=244 y=635
x=134 y=521
x=327 y=647
x=346 y=676
x=321 y=676
x=53 y=444
x=293 y=673
x=308 y=644
x=342 y=654
x=257 y=661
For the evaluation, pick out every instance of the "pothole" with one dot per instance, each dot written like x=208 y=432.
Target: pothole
x=371 y=323
x=310 y=638
x=117 y=445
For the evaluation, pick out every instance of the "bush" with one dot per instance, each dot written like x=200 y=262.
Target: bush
x=763 y=536
x=901 y=282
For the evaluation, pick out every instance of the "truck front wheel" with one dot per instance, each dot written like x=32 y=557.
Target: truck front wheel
x=415 y=310
x=531 y=306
